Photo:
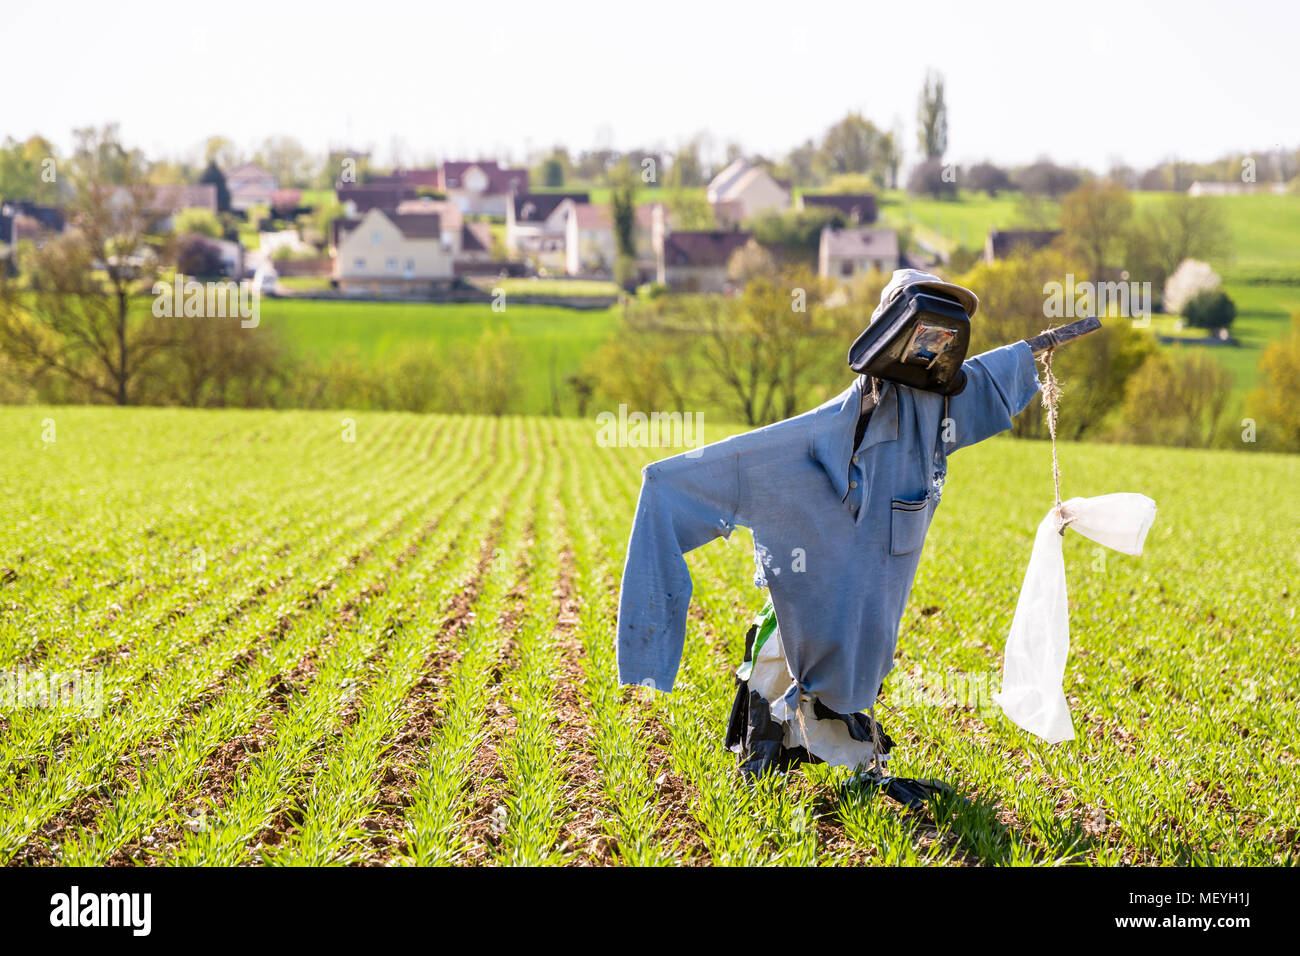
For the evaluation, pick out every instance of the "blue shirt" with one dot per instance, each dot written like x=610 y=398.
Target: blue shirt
x=837 y=530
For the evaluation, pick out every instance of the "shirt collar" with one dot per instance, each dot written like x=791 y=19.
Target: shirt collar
x=836 y=422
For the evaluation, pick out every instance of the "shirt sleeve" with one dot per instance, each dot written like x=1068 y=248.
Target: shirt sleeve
x=685 y=502
x=999 y=383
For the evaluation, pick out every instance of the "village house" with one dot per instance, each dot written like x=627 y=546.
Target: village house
x=470 y=242
x=22 y=220
x=1000 y=242
x=250 y=185
x=743 y=190
x=856 y=209
x=697 y=261
x=850 y=252
x=589 y=245
x=392 y=254
x=481 y=188
x=537 y=226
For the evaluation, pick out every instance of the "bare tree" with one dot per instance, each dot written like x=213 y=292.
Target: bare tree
x=72 y=316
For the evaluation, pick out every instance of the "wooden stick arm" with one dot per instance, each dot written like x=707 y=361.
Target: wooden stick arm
x=1067 y=333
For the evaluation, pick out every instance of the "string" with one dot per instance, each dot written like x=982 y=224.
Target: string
x=1051 y=398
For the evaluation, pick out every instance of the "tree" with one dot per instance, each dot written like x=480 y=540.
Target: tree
x=74 y=320
x=796 y=233
x=687 y=170
x=1276 y=402
x=220 y=151
x=1092 y=371
x=1180 y=227
x=932 y=117
x=213 y=175
x=99 y=157
x=622 y=201
x=219 y=364
x=801 y=164
x=853 y=145
x=690 y=210
x=1045 y=178
x=1094 y=218
x=1191 y=277
x=891 y=155
x=750 y=261
x=285 y=159
x=988 y=178
x=1175 y=400
x=931 y=177
x=1211 y=309
x=29 y=170
x=761 y=349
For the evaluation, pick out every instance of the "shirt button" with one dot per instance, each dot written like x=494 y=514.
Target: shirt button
x=855 y=459
x=853 y=484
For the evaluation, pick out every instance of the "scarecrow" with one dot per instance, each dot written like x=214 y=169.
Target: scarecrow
x=839 y=500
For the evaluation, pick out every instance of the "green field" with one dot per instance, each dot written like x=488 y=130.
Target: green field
x=398 y=650
x=549 y=337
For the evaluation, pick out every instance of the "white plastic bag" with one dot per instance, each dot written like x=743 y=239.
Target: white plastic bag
x=1039 y=642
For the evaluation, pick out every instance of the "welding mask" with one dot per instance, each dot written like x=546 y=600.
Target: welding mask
x=918 y=335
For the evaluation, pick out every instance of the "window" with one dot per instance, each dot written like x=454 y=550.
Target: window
x=359 y=263
x=846 y=268
x=391 y=264
x=376 y=237
x=410 y=266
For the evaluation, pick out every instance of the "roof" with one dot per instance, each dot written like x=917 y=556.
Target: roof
x=590 y=216
x=50 y=217
x=448 y=211
x=738 y=177
x=417 y=226
x=430 y=178
x=476 y=237
x=859 y=207
x=247 y=171
x=537 y=207
x=1003 y=241
x=384 y=196
x=501 y=179
x=171 y=198
x=699 y=249
x=285 y=198
x=725 y=179
x=860 y=243
x=413 y=226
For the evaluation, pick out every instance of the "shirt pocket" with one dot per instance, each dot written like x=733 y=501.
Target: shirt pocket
x=907 y=525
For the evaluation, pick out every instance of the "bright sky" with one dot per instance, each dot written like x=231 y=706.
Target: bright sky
x=1085 y=82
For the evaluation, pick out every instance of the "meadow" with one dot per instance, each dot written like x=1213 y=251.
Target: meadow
x=387 y=639
x=555 y=340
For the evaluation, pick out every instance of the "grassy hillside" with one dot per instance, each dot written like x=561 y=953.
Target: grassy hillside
x=398 y=649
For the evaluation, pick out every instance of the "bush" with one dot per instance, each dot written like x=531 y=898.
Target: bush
x=1276 y=403
x=1211 y=309
x=1176 y=399
x=199 y=256
x=202 y=222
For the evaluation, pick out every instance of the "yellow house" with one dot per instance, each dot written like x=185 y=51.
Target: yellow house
x=385 y=253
